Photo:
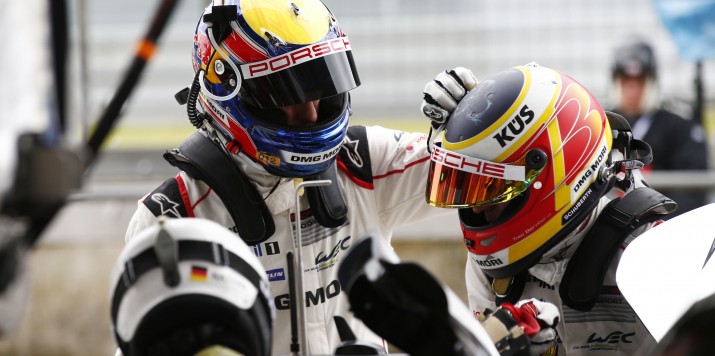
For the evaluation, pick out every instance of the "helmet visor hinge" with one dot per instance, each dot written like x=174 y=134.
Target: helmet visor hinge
x=536 y=159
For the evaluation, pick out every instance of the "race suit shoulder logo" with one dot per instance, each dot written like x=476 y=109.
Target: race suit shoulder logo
x=167 y=200
x=355 y=155
x=351 y=148
x=166 y=205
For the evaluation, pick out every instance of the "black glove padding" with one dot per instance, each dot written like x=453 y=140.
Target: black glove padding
x=405 y=305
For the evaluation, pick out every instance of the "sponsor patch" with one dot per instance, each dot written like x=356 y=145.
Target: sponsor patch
x=277 y=274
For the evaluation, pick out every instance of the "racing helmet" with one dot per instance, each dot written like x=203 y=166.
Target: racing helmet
x=189 y=286
x=529 y=137
x=252 y=57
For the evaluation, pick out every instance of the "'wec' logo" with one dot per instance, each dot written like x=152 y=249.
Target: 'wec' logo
x=612 y=338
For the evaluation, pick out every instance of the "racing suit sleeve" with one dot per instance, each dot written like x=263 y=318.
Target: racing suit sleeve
x=479 y=291
x=142 y=218
x=400 y=164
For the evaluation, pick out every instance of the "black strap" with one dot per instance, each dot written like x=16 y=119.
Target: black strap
x=587 y=268
x=203 y=251
x=202 y=159
x=327 y=202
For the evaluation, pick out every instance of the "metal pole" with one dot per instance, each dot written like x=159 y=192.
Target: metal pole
x=300 y=297
x=699 y=93
x=144 y=53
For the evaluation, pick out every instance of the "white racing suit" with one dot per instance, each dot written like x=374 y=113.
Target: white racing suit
x=382 y=174
x=610 y=328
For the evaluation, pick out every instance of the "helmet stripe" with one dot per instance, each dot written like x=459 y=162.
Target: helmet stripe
x=241 y=46
x=456 y=146
x=540 y=237
x=531 y=133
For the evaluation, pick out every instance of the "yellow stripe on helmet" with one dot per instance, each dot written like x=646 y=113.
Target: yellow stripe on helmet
x=528 y=245
x=455 y=146
x=306 y=25
x=530 y=134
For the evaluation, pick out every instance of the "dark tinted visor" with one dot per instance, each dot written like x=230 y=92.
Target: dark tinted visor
x=312 y=72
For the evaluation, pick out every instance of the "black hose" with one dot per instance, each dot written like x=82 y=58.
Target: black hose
x=195 y=118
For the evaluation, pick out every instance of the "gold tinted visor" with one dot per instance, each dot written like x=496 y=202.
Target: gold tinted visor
x=459 y=181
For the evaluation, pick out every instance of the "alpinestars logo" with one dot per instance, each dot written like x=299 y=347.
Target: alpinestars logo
x=166 y=205
x=351 y=147
x=436 y=114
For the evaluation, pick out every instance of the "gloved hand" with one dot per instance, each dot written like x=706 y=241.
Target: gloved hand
x=539 y=320
x=442 y=95
x=504 y=331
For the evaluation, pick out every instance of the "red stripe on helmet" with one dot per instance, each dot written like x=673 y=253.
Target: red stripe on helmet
x=244 y=48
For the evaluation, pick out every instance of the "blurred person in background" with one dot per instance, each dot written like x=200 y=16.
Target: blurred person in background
x=677 y=143
x=528 y=158
x=271 y=102
x=38 y=168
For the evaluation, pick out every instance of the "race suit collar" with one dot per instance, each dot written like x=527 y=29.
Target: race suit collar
x=282 y=198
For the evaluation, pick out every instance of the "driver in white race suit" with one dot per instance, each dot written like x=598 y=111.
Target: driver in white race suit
x=283 y=119
x=532 y=162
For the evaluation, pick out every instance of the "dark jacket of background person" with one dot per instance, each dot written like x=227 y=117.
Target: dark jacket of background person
x=677 y=143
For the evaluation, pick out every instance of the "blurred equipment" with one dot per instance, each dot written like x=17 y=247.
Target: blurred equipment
x=351 y=345
x=668 y=269
x=38 y=167
x=187 y=285
x=692 y=333
x=408 y=307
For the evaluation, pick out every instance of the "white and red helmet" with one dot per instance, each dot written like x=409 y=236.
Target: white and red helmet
x=529 y=136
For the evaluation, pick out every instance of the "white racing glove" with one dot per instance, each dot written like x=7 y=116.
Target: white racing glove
x=524 y=328
x=543 y=336
x=442 y=95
